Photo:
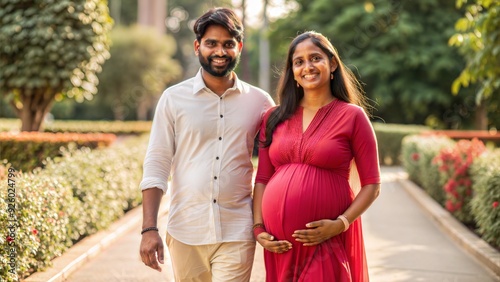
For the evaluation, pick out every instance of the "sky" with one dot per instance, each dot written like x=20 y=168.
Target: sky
x=276 y=9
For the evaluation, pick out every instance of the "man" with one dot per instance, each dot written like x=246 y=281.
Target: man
x=202 y=136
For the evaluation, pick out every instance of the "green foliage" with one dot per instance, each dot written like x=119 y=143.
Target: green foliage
x=139 y=69
x=418 y=152
x=28 y=150
x=389 y=137
x=85 y=126
x=72 y=197
x=398 y=48
x=38 y=225
x=478 y=37
x=485 y=207
x=50 y=48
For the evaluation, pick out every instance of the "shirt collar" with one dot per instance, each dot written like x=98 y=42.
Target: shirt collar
x=199 y=84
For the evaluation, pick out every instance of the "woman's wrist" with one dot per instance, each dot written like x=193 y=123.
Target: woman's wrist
x=257 y=229
x=345 y=221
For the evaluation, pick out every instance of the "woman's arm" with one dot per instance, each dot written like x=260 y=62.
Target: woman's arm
x=322 y=230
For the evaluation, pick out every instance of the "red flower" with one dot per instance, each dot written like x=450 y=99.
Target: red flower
x=443 y=168
x=449 y=206
x=450 y=185
x=495 y=204
x=9 y=239
x=34 y=231
x=415 y=156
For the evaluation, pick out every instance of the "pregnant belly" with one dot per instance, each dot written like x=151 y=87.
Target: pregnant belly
x=298 y=194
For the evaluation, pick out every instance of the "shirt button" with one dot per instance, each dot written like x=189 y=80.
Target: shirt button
x=221 y=116
x=215 y=201
x=220 y=138
x=215 y=177
x=216 y=158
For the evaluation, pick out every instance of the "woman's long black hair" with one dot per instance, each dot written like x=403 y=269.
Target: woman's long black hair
x=344 y=85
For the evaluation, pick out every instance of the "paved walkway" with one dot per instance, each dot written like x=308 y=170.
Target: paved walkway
x=403 y=243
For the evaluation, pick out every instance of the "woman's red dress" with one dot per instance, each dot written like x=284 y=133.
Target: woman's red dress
x=306 y=176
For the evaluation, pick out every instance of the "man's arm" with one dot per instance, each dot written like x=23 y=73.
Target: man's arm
x=151 y=248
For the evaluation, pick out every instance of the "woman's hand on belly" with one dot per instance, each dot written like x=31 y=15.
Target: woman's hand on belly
x=267 y=241
x=318 y=231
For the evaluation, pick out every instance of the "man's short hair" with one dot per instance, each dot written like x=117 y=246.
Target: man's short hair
x=219 y=16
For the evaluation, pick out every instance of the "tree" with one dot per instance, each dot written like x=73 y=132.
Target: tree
x=478 y=37
x=139 y=69
x=49 y=49
x=399 y=49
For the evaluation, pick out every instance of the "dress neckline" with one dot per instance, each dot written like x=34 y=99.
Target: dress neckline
x=318 y=117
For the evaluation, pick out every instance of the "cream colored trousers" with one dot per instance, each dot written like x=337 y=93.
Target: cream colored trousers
x=223 y=262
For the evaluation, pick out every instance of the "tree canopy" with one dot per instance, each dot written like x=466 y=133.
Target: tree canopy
x=399 y=49
x=139 y=69
x=478 y=37
x=50 y=48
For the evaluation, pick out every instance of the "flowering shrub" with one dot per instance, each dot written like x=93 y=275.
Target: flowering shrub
x=33 y=227
x=454 y=166
x=73 y=196
x=485 y=204
x=417 y=153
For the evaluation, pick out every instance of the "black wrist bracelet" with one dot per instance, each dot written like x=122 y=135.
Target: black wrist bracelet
x=149 y=229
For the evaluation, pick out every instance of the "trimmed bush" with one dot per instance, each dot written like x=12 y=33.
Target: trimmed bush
x=485 y=204
x=27 y=150
x=114 y=127
x=389 y=137
x=454 y=166
x=35 y=221
x=84 y=126
x=418 y=151
x=73 y=196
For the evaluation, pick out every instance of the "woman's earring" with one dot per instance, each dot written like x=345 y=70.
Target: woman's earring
x=331 y=76
x=298 y=85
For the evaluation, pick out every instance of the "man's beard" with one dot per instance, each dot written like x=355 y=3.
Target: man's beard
x=218 y=72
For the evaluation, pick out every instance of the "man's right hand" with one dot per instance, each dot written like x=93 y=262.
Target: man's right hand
x=151 y=250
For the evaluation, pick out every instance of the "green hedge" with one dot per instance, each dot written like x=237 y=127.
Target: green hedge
x=28 y=150
x=73 y=196
x=485 y=204
x=84 y=126
x=389 y=137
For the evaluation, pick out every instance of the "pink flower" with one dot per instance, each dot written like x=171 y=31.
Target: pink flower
x=495 y=204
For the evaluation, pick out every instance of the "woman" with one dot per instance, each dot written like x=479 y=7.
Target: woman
x=306 y=215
